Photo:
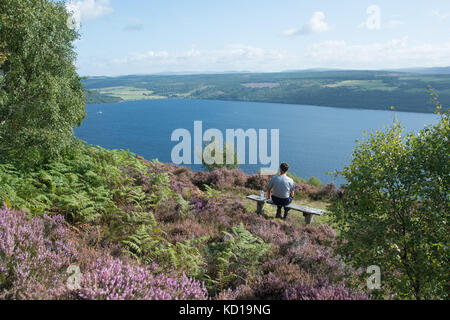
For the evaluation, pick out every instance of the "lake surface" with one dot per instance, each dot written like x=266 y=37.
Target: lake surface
x=313 y=140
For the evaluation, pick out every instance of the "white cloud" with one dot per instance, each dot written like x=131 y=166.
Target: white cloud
x=316 y=24
x=440 y=16
x=84 y=10
x=230 y=58
x=397 y=53
x=229 y=55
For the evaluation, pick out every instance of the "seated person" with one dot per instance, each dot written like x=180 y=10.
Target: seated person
x=283 y=190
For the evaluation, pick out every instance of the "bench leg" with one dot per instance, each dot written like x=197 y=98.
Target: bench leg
x=260 y=208
x=309 y=218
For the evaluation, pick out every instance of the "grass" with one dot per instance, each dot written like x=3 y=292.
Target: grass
x=130 y=93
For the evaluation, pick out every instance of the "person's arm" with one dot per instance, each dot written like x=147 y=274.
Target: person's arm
x=293 y=191
x=269 y=189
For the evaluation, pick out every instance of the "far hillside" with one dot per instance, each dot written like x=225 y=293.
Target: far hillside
x=379 y=90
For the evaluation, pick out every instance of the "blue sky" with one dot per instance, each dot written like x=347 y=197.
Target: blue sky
x=152 y=36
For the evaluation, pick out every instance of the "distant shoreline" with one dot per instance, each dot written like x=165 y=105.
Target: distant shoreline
x=374 y=90
x=267 y=102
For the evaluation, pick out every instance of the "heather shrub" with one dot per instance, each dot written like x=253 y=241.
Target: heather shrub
x=34 y=255
x=215 y=212
x=257 y=182
x=323 y=291
x=268 y=230
x=224 y=213
x=318 y=261
x=274 y=284
x=187 y=230
x=238 y=177
x=235 y=209
x=325 y=192
x=267 y=287
x=228 y=295
x=220 y=179
x=304 y=259
x=181 y=182
x=305 y=189
x=170 y=212
x=225 y=179
x=200 y=178
x=113 y=279
x=198 y=205
x=180 y=171
x=322 y=235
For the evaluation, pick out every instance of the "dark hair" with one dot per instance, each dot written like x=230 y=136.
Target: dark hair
x=284 y=167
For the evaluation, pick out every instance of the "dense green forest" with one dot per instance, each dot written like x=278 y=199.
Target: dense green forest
x=378 y=90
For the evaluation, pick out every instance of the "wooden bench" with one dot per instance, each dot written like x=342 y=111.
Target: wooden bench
x=308 y=212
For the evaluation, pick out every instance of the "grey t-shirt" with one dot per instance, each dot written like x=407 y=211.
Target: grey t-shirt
x=281 y=186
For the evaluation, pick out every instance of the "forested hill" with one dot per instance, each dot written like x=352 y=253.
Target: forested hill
x=380 y=90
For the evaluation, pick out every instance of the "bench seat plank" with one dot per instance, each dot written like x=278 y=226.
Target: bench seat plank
x=292 y=206
x=257 y=198
x=305 y=209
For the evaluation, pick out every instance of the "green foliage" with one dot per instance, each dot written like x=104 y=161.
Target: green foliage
x=313 y=181
x=395 y=210
x=148 y=245
x=41 y=95
x=239 y=248
x=87 y=185
x=161 y=193
x=296 y=178
x=2 y=58
x=210 y=192
x=209 y=158
x=95 y=97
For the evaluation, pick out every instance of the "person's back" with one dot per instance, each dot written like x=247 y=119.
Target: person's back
x=283 y=190
x=282 y=186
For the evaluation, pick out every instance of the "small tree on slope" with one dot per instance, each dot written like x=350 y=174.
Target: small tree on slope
x=395 y=210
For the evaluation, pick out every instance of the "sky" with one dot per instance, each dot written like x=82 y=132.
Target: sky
x=121 y=37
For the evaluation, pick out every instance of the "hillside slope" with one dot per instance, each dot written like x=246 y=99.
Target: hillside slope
x=146 y=230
